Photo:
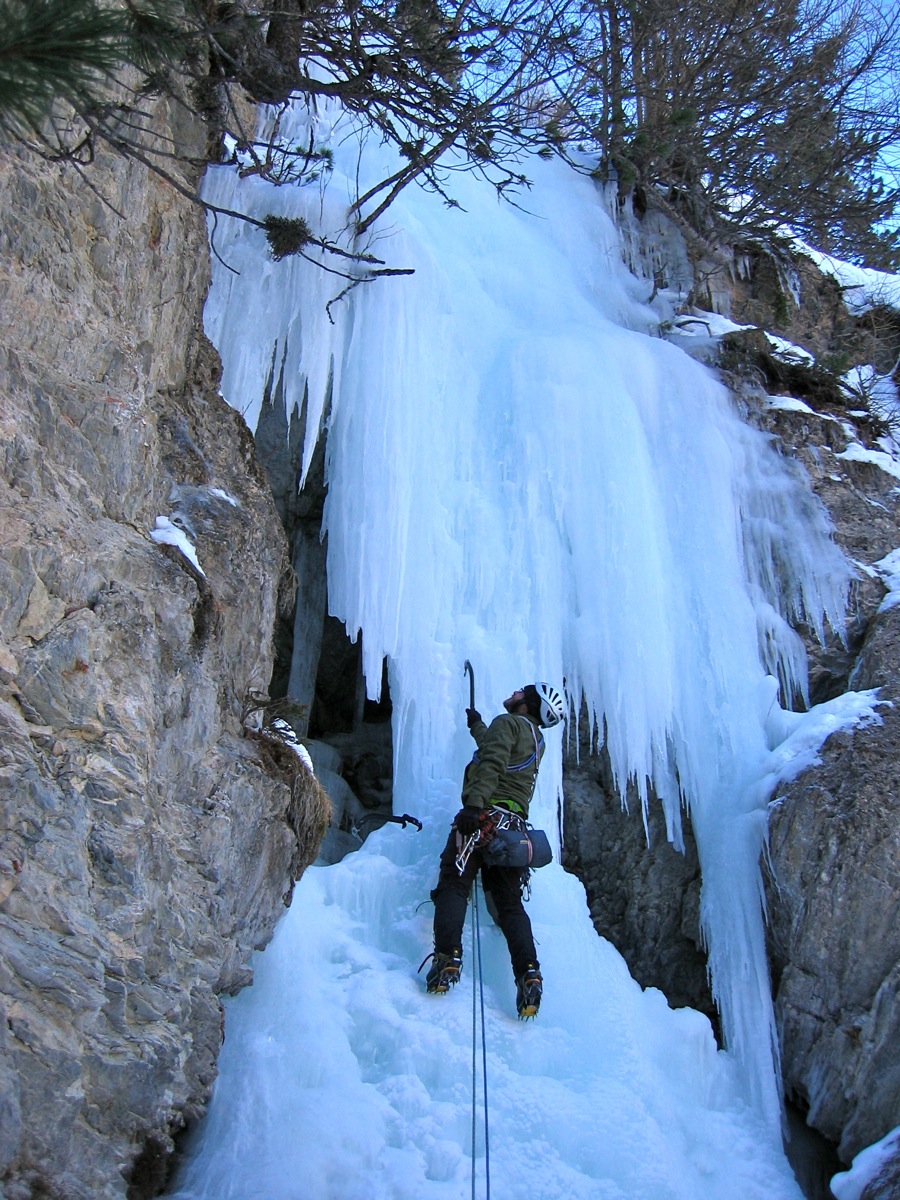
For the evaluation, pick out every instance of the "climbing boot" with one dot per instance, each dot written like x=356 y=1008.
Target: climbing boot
x=529 y=987
x=444 y=972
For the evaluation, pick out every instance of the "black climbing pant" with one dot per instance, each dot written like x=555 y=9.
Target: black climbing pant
x=451 y=897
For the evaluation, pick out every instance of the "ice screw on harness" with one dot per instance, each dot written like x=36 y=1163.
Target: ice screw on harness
x=465 y=846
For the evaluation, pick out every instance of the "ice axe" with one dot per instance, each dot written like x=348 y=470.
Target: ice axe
x=467 y=670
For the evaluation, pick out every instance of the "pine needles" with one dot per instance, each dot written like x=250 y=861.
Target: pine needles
x=69 y=50
x=53 y=49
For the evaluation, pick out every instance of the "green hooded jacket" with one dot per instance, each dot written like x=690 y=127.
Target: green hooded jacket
x=504 y=767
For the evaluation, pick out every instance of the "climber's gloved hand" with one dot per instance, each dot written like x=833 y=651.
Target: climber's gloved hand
x=468 y=820
x=472 y=716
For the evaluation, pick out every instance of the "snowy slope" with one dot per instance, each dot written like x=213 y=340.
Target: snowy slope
x=521 y=475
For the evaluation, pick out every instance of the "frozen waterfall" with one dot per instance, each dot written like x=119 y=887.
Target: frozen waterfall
x=523 y=475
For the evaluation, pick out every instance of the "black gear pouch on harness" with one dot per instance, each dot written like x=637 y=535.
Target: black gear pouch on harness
x=521 y=848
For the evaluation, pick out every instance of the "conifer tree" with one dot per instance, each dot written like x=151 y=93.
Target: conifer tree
x=737 y=116
x=749 y=113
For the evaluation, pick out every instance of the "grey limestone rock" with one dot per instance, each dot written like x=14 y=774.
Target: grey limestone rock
x=834 y=902
x=146 y=843
x=833 y=888
x=643 y=894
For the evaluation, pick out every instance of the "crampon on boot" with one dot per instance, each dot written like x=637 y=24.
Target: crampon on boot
x=529 y=987
x=443 y=974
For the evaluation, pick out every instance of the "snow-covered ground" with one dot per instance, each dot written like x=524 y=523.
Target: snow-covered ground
x=522 y=476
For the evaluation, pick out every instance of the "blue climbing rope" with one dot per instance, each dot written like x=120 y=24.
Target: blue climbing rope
x=478 y=994
x=474 y=1036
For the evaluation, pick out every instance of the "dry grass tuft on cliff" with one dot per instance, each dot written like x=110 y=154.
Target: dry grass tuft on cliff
x=309 y=812
x=309 y=815
x=283 y=756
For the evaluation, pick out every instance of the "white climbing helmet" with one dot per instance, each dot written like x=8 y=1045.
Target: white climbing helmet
x=553 y=705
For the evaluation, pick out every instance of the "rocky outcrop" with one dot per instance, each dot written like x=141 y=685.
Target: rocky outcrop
x=644 y=896
x=833 y=888
x=789 y=296
x=834 y=904
x=147 y=842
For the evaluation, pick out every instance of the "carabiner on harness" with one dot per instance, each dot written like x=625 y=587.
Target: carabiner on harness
x=465 y=850
x=493 y=819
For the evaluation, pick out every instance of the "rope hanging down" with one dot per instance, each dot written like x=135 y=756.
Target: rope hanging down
x=478 y=993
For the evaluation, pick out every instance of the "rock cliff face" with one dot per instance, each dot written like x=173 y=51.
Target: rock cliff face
x=833 y=891
x=147 y=843
x=644 y=896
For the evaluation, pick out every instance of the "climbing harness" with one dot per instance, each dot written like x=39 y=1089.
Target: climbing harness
x=478 y=995
x=505 y=840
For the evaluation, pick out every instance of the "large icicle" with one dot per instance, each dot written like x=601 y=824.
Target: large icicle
x=520 y=475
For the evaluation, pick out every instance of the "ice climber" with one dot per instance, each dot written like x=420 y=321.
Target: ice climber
x=497 y=787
